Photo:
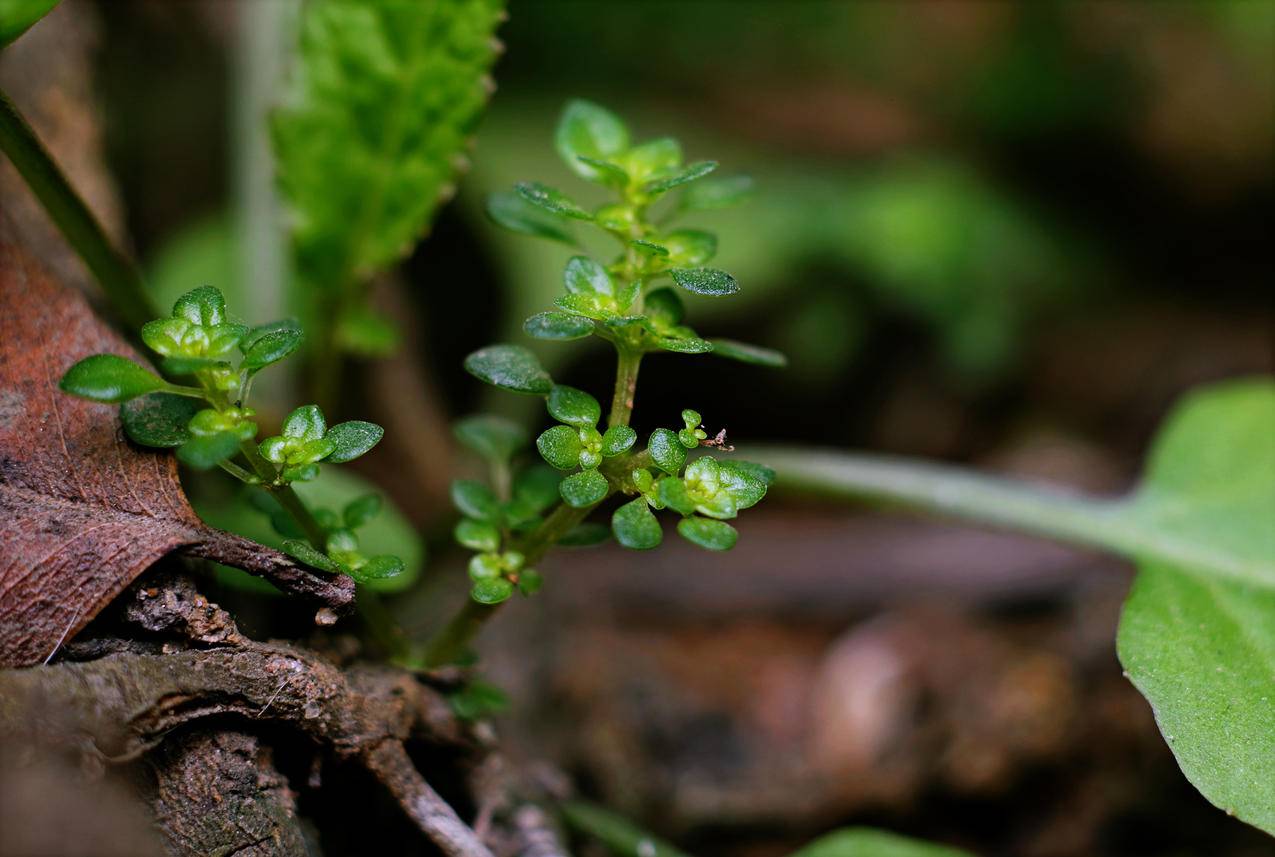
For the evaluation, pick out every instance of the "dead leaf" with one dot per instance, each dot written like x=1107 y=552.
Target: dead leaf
x=83 y=512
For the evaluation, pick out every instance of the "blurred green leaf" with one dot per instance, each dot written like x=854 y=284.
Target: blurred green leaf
x=384 y=97
x=475 y=500
x=17 y=16
x=510 y=367
x=204 y=451
x=866 y=842
x=494 y=438
x=158 y=420
x=587 y=130
x=585 y=535
x=510 y=210
x=551 y=200
x=364 y=332
x=558 y=326
x=746 y=353
x=690 y=174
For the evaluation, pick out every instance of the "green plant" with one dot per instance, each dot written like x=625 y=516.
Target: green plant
x=514 y=520
x=210 y=424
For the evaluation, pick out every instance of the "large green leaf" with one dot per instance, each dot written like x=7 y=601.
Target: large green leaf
x=866 y=842
x=1199 y=646
x=385 y=96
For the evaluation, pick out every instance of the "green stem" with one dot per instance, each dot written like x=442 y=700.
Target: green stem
x=450 y=643
x=1111 y=524
x=118 y=276
x=618 y=834
x=626 y=374
x=189 y=392
x=235 y=470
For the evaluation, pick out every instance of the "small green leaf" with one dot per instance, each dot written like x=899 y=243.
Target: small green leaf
x=758 y=471
x=378 y=568
x=530 y=581
x=561 y=447
x=204 y=306
x=485 y=566
x=664 y=308
x=746 y=353
x=716 y=193
x=191 y=365
x=690 y=247
x=475 y=500
x=583 y=276
x=660 y=156
x=551 y=200
x=271 y=347
x=510 y=367
x=536 y=488
x=745 y=487
x=583 y=489
x=588 y=130
x=608 y=173
x=573 y=407
x=254 y=335
x=707 y=533
x=494 y=438
x=585 y=535
x=158 y=420
x=305 y=423
x=306 y=553
x=666 y=450
x=618 y=439
x=109 y=378
x=491 y=591
x=362 y=509
x=705 y=281
x=635 y=527
x=352 y=439
x=671 y=491
x=477 y=700
x=692 y=172
x=18 y=16
x=558 y=326
x=204 y=451
x=510 y=210
x=685 y=345
x=166 y=336
x=477 y=535
x=866 y=842
x=649 y=248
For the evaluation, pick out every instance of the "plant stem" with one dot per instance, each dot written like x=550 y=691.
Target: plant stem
x=626 y=374
x=450 y=643
x=118 y=276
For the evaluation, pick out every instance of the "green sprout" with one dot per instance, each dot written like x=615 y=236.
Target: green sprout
x=209 y=423
x=632 y=300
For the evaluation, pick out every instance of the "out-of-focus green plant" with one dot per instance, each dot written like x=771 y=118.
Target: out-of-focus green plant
x=210 y=424
x=631 y=301
x=385 y=97
x=17 y=16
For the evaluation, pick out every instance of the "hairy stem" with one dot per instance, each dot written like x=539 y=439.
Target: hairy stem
x=450 y=643
x=626 y=374
x=117 y=275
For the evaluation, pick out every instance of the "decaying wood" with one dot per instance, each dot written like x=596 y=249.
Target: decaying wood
x=83 y=512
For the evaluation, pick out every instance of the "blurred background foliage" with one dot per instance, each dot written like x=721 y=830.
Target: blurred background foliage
x=1008 y=234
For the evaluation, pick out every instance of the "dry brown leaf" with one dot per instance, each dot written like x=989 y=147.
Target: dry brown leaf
x=83 y=512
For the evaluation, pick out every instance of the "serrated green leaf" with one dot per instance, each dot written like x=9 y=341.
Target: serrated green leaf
x=382 y=102
x=510 y=210
x=866 y=842
x=352 y=439
x=561 y=447
x=109 y=378
x=18 y=16
x=158 y=420
x=745 y=353
x=666 y=450
x=583 y=276
x=271 y=347
x=573 y=407
x=708 y=533
x=306 y=553
x=477 y=535
x=305 y=423
x=475 y=500
x=494 y=438
x=705 y=281
x=691 y=173
x=635 y=527
x=551 y=200
x=204 y=451
x=510 y=367
x=587 y=130
x=559 y=326
x=583 y=489
x=617 y=440
x=716 y=193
